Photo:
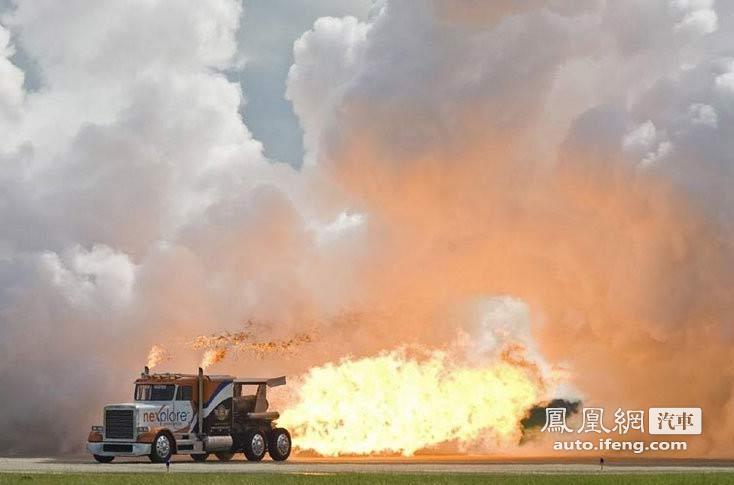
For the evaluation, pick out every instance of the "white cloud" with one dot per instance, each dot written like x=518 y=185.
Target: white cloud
x=699 y=16
x=326 y=59
x=663 y=150
x=725 y=82
x=11 y=80
x=640 y=138
x=111 y=273
x=699 y=21
x=703 y=114
x=99 y=278
x=647 y=143
x=344 y=223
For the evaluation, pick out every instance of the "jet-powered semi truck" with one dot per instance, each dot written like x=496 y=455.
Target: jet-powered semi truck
x=192 y=414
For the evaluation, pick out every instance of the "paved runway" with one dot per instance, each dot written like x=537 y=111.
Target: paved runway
x=319 y=466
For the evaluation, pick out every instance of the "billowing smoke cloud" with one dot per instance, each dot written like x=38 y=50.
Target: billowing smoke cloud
x=576 y=160
x=127 y=179
x=552 y=175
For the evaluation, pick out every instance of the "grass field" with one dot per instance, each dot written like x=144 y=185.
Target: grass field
x=367 y=478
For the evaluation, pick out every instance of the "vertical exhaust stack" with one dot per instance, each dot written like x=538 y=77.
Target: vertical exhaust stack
x=200 y=381
x=146 y=371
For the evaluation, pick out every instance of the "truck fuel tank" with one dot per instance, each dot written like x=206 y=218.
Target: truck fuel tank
x=218 y=443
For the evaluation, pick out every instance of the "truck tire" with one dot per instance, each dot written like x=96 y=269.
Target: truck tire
x=224 y=455
x=162 y=448
x=200 y=457
x=103 y=459
x=255 y=445
x=279 y=444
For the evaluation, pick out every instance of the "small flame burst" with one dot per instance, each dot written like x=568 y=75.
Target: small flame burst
x=393 y=403
x=213 y=356
x=157 y=355
x=218 y=346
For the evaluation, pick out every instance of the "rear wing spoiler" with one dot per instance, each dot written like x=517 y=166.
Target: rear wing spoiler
x=272 y=382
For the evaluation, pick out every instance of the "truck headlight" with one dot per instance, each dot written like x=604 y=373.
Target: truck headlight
x=143 y=429
x=97 y=429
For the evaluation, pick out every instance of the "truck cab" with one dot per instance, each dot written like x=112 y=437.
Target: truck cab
x=193 y=414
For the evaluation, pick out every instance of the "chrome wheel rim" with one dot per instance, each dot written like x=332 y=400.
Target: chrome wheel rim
x=258 y=444
x=283 y=444
x=162 y=446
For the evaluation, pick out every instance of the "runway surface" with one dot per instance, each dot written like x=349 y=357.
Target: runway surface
x=321 y=466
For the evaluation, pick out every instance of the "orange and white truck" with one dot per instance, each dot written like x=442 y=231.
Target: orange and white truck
x=192 y=414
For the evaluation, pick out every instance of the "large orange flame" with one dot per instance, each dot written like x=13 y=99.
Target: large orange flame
x=395 y=403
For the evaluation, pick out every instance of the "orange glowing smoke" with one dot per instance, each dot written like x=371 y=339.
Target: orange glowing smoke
x=157 y=355
x=394 y=403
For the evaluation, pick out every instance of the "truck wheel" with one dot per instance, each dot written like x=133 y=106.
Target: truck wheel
x=279 y=444
x=162 y=448
x=103 y=459
x=224 y=455
x=200 y=458
x=255 y=445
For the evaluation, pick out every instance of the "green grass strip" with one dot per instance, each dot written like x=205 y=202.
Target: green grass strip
x=709 y=478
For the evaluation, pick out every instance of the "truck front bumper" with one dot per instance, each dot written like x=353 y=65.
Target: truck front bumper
x=108 y=448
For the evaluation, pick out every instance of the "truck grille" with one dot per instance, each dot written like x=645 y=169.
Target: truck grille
x=119 y=424
x=117 y=448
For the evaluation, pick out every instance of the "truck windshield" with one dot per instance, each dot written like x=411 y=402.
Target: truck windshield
x=154 y=392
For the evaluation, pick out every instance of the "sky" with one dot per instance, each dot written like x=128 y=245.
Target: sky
x=542 y=183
